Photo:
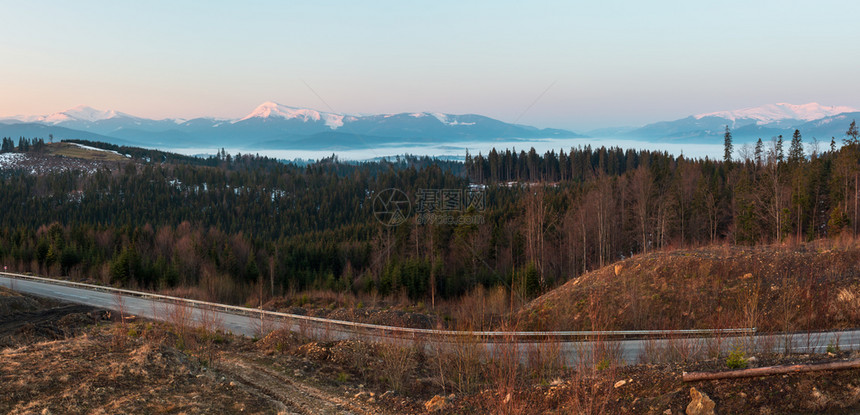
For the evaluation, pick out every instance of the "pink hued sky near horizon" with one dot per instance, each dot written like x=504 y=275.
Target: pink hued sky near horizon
x=549 y=64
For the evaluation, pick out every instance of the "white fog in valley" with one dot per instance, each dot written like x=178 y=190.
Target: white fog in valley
x=457 y=151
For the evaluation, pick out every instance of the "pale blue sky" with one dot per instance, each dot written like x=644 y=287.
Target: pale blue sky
x=609 y=63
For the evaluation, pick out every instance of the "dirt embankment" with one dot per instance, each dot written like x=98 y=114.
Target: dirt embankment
x=26 y=320
x=87 y=375
x=48 y=324
x=13 y=302
x=797 y=288
x=60 y=358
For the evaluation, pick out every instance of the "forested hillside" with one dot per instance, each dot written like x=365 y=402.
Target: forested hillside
x=228 y=223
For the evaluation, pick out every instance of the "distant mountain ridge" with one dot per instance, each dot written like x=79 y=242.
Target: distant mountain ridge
x=748 y=124
x=274 y=126
x=81 y=113
x=771 y=113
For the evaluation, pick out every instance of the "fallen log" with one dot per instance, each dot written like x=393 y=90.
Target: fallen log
x=770 y=371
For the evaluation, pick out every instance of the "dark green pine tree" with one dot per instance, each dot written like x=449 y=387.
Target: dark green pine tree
x=780 y=157
x=795 y=152
x=759 y=148
x=727 y=144
x=852 y=133
x=8 y=145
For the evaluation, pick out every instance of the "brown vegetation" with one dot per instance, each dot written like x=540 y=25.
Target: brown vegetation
x=76 y=151
x=189 y=366
x=86 y=375
x=65 y=157
x=814 y=286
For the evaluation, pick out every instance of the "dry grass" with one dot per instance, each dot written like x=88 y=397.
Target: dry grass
x=458 y=364
x=591 y=393
x=91 y=374
x=397 y=363
x=72 y=150
x=774 y=288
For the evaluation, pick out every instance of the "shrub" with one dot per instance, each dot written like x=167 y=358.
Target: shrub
x=604 y=364
x=342 y=377
x=736 y=360
x=397 y=364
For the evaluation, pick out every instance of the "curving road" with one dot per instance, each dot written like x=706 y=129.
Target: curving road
x=525 y=346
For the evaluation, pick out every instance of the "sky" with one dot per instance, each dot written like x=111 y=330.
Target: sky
x=568 y=64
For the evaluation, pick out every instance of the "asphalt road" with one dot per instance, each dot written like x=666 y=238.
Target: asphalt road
x=630 y=350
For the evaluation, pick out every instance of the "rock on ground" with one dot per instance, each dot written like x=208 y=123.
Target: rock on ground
x=700 y=404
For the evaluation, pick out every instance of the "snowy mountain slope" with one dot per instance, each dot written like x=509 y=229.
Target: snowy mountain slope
x=276 y=125
x=749 y=124
x=771 y=113
x=79 y=113
x=271 y=109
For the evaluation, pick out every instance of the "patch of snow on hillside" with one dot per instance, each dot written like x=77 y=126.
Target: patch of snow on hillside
x=46 y=164
x=441 y=117
x=99 y=149
x=11 y=160
x=446 y=119
x=333 y=120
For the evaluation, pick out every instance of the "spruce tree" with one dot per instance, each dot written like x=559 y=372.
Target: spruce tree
x=727 y=144
x=759 y=147
x=795 y=152
x=852 y=133
x=7 y=146
x=779 y=155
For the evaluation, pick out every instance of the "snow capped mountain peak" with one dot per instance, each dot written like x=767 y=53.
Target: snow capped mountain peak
x=81 y=113
x=766 y=114
x=270 y=109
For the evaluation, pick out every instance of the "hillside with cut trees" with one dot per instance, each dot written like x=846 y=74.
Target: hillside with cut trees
x=793 y=288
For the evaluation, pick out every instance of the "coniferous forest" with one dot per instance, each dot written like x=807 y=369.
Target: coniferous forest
x=229 y=223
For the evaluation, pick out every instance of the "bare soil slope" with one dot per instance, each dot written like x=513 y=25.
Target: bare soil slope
x=659 y=389
x=812 y=286
x=61 y=358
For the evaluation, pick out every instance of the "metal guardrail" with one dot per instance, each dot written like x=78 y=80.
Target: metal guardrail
x=353 y=326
